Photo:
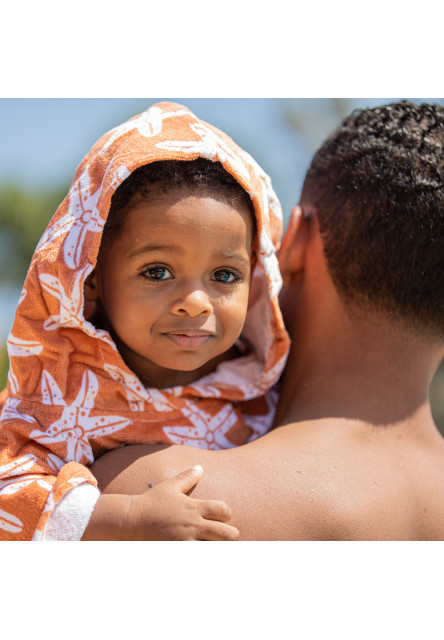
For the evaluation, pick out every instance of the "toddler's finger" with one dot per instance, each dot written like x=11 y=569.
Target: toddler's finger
x=186 y=480
x=219 y=531
x=214 y=510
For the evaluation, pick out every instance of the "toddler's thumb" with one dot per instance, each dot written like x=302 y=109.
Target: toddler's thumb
x=186 y=480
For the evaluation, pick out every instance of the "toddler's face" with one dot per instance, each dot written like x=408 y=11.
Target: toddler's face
x=173 y=286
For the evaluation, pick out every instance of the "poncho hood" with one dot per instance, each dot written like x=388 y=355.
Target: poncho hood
x=69 y=389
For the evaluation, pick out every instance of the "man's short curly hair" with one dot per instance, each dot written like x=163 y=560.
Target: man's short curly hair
x=165 y=176
x=378 y=186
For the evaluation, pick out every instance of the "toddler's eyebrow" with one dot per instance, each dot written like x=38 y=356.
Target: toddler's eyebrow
x=230 y=255
x=147 y=248
x=155 y=247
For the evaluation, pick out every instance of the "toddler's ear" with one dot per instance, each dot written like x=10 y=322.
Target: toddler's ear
x=90 y=289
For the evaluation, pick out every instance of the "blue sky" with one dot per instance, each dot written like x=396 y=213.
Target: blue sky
x=43 y=140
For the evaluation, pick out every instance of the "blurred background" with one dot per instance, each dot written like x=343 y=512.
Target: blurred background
x=43 y=141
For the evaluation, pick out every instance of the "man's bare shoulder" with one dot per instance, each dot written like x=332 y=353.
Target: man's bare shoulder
x=364 y=482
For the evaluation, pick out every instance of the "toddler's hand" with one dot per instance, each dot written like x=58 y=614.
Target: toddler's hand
x=165 y=512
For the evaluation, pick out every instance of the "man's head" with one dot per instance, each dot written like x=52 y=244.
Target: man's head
x=377 y=187
x=173 y=272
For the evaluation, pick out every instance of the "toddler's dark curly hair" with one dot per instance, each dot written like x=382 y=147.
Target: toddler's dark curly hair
x=162 y=177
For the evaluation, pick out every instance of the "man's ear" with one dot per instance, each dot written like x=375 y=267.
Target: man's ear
x=253 y=263
x=90 y=288
x=292 y=252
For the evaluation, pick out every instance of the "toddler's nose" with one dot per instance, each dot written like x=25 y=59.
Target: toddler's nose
x=193 y=304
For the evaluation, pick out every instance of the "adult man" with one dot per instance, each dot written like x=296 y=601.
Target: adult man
x=355 y=454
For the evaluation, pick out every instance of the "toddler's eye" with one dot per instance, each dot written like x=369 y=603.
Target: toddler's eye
x=157 y=273
x=225 y=276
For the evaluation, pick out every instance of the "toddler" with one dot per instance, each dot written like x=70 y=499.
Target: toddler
x=160 y=326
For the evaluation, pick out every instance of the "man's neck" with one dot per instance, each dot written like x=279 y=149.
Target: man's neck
x=340 y=367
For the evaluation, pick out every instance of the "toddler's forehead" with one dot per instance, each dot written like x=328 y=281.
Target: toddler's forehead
x=180 y=216
x=160 y=181
x=192 y=201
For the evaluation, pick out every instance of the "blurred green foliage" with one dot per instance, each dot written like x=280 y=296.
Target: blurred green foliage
x=4 y=366
x=24 y=215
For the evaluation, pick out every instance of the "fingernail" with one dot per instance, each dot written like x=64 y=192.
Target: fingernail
x=197 y=467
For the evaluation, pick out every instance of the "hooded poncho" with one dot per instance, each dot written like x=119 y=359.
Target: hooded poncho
x=70 y=396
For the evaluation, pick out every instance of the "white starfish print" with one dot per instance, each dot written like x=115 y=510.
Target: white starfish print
x=267 y=251
x=20 y=348
x=85 y=217
x=82 y=216
x=10 y=523
x=208 y=432
x=207 y=390
x=23 y=348
x=120 y=175
x=75 y=425
x=19 y=466
x=8 y=487
x=148 y=124
x=70 y=305
x=136 y=393
x=269 y=196
x=11 y=484
x=54 y=462
x=267 y=256
x=70 y=313
x=12 y=381
x=49 y=507
x=10 y=411
x=211 y=146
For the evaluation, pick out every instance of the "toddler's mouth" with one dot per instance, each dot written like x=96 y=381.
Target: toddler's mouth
x=189 y=340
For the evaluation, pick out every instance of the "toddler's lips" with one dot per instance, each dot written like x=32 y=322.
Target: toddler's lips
x=188 y=341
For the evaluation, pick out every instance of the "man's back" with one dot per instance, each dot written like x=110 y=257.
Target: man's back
x=365 y=482
x=343 y=480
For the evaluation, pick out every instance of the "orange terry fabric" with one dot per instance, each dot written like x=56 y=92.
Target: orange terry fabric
x=70 y=396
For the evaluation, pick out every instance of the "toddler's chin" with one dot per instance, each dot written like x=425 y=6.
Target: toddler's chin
x=192 y=362
x=183 y=366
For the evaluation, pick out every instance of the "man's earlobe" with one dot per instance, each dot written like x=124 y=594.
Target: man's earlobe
x=90 y=289
x=253 y=263
x=292 y=251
